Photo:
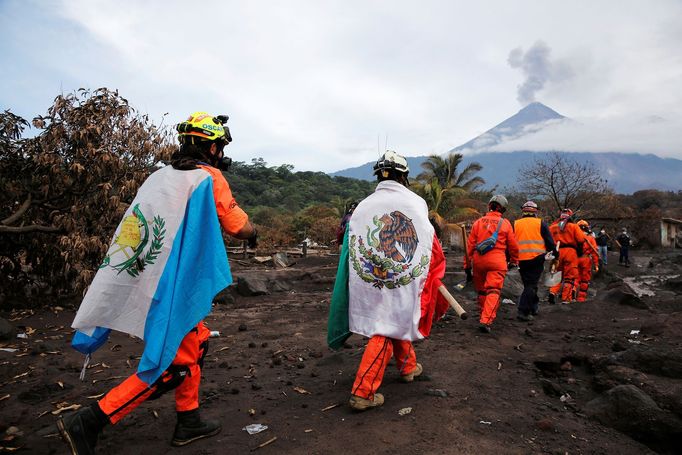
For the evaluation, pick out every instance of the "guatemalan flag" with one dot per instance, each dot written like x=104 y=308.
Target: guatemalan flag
x=390 y=268
x=165 y=263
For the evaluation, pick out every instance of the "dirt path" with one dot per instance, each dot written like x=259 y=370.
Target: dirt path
x=503 y=391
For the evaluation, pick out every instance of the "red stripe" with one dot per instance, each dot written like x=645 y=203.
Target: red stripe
x=432 y=302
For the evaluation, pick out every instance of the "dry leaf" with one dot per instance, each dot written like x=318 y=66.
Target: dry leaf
x=4 y=397
x=60 y=384
x=301 y=390
x=94 y=397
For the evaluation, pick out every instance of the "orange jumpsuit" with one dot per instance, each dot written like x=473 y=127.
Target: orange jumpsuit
x=490 y=269
x=379 y=348
x=589 y=258
x=373 y=364
x=570 y=237
x=184 y=373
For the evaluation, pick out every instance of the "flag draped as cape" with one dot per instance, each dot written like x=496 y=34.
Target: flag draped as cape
x=165 y=263
x=390 y=268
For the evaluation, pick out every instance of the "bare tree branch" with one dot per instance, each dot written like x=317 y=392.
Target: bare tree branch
x=30 y=228
x=19 y=213
x=568 y=183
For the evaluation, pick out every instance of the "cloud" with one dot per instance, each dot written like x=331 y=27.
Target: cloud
x=538 y=69
x=636 y=134
x=313 y=83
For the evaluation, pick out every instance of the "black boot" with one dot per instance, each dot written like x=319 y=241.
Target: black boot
x=190 y=427
x=80 y=429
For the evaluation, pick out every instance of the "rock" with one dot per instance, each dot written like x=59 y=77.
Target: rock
x=655 y=326
x=659 y=361
x=621 y=294
x=7 y=330
x=629 y=410
x=279 y=286
x=674 y=285
x=242 y=328
x=545 y=424
x=252 y=286
x=224 y=298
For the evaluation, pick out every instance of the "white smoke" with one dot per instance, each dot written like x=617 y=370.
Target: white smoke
x=538 y=68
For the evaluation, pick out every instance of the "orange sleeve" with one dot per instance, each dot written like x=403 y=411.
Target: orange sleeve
x=232 y=218
x=512 y=244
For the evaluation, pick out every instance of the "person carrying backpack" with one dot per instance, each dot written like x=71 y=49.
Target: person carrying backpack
x=490 y=246
x=570 y=238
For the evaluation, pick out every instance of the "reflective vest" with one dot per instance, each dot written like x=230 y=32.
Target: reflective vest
x=531 y=243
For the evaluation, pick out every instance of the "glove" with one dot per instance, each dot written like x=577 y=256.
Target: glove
x=253 y=240
x=596 y=269
x=469 y=275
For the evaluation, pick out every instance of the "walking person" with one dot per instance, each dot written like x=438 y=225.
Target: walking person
x=166 y=262
x=487 y=265
x=386 y=287
x=535 y=240
x=570 y=238
x=623 y=241
x=588 y=259
x=602 y=245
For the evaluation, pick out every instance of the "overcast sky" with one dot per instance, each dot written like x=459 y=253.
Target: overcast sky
x=313 y=83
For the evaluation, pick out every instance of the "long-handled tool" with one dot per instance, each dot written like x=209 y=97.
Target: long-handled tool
x=460 y=286
x=453 y=303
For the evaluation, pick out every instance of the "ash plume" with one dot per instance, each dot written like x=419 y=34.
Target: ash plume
x=538 y=68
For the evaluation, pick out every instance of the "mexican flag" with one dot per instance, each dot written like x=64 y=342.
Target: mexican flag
x=165 y=263
x=390 y=268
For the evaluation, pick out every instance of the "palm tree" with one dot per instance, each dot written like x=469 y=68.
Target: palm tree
x=444 y=170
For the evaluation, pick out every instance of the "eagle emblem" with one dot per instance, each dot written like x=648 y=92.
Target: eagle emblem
x=384 y=256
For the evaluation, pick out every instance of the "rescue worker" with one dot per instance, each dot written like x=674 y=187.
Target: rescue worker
x=490 y=267
x=623 y=241
x=535 y=240
x=589 y=258
x=377 y=311
x=202 y=139
x=570 y=238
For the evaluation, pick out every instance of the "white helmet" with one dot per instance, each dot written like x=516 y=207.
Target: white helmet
x=529 y=207
x=500 y=200
x=391 y=161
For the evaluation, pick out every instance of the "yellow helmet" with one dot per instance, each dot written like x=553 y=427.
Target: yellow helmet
x=583 y=224
x=204 y=127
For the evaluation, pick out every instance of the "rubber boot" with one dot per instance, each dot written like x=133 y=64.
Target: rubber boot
x=80 y=429
x=190 y=427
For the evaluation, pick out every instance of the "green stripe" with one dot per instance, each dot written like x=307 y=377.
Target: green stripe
x=337 y=326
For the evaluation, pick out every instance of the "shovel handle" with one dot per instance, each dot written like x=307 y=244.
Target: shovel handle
x=453 y=303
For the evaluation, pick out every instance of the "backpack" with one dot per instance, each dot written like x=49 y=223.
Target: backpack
x=489 y=243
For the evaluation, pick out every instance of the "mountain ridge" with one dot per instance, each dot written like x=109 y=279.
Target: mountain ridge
x=625 y=172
